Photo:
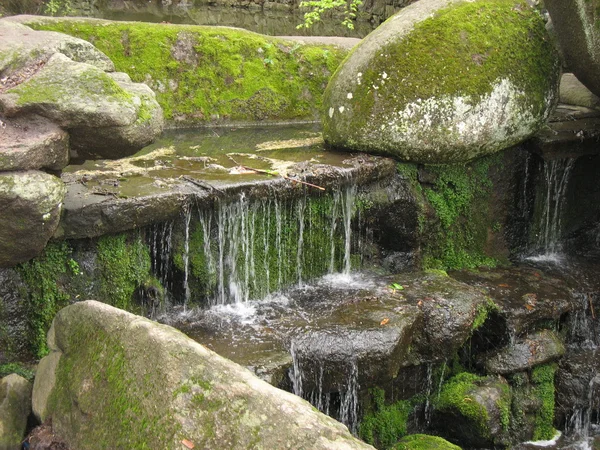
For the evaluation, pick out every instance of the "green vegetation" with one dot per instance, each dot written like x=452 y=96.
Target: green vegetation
x=424 y=442
x=45 y=293
x=383 y=425
x=455 y=396
x=460 y=198
x=124 y=263
x=207 y=74
x=19 y=369
x=543 y=379
x=464 y=50
x=483 y=310
x=319 y=7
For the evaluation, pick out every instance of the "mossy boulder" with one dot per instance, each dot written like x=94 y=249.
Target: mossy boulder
x=15 y=407
x=32 y=142
x=473 y=410
x=445 y=81
x=424 y=442
x=31 y=210
x=123 y=381
x=577 y=31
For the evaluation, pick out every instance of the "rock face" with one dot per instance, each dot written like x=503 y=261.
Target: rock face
x=576 y=25
x=573 y=92
x=444 y=81
x=33 y=142
x=31 y=202
x=125 y=381
x=15 y=407
x=537 y=348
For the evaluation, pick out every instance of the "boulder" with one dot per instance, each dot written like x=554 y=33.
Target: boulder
x=444 y=81
x=473 y=410
x=23 y=50
x=31 y=203
x=106 y=118
x=537 y=348
x=573 y=92
x=124 y=381
x=15 y=407
x=576 y=27
x=32 y=142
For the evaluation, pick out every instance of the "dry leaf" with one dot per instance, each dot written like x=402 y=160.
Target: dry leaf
x=529 y=307
x=188 y=444
x=503 y=285
x=384 y=321
x=420 y=303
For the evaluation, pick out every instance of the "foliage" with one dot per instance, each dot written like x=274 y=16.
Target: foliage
x=57 y=8
x=543 y=379
x=383 y=425
x=19 y=369
x=319 y=7
x=45 y=293
x=460 y=198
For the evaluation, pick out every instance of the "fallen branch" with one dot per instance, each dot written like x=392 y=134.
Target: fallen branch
x=591 y=307
x=270 y=172
x=202 y=184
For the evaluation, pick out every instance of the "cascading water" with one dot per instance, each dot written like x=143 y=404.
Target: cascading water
x=556 y=179
x=161 y=253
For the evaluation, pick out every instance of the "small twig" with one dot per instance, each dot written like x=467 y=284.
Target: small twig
x=591 y=307
x=201 y=184
x=269 y=172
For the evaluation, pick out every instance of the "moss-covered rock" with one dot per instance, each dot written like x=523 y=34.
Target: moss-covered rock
x=444 y=81
x=576 y=25
x=31 y=203
x=424 y=442
x=127 y=382
x=207 y=75
x=473 y=410
x=15 y=407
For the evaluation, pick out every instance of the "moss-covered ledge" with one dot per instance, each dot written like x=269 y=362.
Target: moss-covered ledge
x=211 y=75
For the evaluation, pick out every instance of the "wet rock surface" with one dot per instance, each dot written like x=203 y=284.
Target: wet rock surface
x=535 y=349
x=32 y=202
x=13 y=342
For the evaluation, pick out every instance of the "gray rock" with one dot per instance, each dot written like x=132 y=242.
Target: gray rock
x=15 y=407
x=573 y=92
x=575 y=24
x=31 y=210
x=537 y=348
x=423 y=89
x=44 y=383
x=72 y=95
x=22 y=49
x=14 y=344
x=32 y=142
x=125 y=381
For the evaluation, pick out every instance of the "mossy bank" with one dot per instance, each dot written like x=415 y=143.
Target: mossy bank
x=211 y=75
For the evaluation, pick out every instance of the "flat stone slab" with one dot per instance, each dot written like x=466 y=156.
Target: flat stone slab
x=524 y=295
x=201 y=166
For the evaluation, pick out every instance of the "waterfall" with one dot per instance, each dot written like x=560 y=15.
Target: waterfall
x=556 y=179
x=161 y=253
x=186 y=256
x=348 y=210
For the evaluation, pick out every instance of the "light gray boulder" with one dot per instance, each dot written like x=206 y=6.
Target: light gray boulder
x=31 y=203
x=573 y=92
x=123 y=381
x=15 y=407
x=444 y=81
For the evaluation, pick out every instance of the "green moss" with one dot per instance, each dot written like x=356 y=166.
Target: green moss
x=123 y=418
x=46 y=294
x=424 y=442
x=456 y=396
x=124 y=263
x=464 y=50
x=543 y=379
x=383 y=425
x=483 y=310
x=460 y=198
x=207 y=74
x=18 y=368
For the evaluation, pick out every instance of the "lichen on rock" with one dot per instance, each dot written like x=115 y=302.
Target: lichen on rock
x=445 y=81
